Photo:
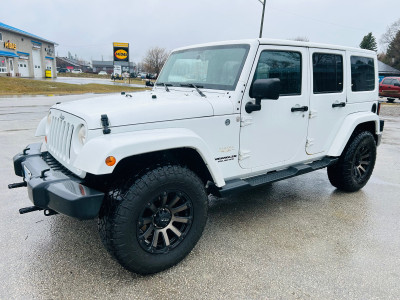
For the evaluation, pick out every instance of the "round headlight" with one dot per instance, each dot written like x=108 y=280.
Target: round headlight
x=82 y=134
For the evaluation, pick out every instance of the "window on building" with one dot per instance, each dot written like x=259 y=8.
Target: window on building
x=285 y=65
x=3 y=67
x=362 y=74
x=327 y=73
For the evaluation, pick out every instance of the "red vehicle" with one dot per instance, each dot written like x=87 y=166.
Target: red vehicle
x=390 y=87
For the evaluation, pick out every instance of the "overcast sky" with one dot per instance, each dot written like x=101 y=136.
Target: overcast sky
x=88 y=28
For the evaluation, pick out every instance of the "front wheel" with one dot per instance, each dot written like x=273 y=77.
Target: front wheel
x=157 y=221
x=355 y=165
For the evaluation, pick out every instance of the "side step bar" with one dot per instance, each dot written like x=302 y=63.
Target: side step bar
x=236 y=185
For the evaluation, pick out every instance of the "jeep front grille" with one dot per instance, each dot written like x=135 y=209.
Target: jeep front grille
x=59 y=138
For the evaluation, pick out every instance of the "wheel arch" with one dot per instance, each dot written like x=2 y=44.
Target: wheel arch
x=175 y=145
x=187 y=157
x=352 y=125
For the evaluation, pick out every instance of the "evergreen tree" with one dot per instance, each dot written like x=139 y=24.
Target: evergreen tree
x=369 y=42
x=393 y=52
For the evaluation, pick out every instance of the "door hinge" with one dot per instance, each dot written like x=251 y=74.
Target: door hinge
x=243 y=154
x=245 y=120
x=309 y=142
x=312 y=114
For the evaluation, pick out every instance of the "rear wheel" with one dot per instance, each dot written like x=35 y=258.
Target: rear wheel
x=157 y=221
x=355 y=165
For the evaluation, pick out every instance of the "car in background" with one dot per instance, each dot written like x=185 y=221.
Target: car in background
x=76 y=71
x=102 y=73
x=63 y=70
x=390 y=87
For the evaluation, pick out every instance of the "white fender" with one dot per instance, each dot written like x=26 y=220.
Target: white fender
x=93 y=154
x=347 y=128
x=41 y=129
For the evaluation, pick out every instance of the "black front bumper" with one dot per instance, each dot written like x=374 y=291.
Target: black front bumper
x=57 y=188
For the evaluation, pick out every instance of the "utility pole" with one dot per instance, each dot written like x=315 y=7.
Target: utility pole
x=262 y=17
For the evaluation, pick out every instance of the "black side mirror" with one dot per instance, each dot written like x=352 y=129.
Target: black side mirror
x=263 y=89
x=396 y=84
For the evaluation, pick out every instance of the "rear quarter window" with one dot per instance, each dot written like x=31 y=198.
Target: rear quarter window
x=362 y=74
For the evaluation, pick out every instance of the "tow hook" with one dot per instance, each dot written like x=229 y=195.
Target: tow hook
x=17 y=185
x=29 y=209
x=47 y=212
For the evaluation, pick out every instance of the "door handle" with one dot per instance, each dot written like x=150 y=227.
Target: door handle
x=300 y=108
x=341 y=104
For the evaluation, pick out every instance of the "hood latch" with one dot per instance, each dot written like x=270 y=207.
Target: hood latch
x=105 y=124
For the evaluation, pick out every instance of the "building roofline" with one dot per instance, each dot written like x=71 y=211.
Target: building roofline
x=16 y=30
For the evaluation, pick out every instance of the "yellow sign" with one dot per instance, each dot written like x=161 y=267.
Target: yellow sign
x=121 y=44
x=121 y=54
x=10 y=45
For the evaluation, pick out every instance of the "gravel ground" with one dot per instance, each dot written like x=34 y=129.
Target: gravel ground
x=295 y=239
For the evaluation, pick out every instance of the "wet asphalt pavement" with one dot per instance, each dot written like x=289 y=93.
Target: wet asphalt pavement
x=295 y=239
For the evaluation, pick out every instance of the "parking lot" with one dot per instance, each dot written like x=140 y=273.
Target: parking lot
x=295 y=239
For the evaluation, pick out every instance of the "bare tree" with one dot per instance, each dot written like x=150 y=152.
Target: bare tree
x=301 y=39
x=390 y=34
x=393 y=52
x=155 y=59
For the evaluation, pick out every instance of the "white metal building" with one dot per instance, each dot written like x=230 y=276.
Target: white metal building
x=23 y=54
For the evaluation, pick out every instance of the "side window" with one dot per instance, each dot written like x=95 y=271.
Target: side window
x=387 y=81
x=1 y=37
x=285 y=65
x=327 y=73
x=362 y=74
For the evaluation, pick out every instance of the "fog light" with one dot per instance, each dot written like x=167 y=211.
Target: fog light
x=110 y=161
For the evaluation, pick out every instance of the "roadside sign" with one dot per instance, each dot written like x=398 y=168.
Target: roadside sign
x=121 y=51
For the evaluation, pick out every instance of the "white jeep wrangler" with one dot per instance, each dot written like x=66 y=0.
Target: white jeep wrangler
x=222 y=117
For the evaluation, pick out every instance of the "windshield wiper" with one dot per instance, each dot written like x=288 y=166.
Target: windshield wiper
x=164 y=84
x=194 y=86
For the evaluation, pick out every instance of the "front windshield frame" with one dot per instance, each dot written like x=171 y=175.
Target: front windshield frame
x=200 y=84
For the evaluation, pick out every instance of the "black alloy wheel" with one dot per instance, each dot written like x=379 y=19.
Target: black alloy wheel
x=164 y=222
x=153 y=220
x=356 y=163
x=362 y=163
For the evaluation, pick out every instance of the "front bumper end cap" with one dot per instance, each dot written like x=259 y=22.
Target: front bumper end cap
x=54 y=190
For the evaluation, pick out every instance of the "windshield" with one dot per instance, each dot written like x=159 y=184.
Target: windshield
x=215 y=67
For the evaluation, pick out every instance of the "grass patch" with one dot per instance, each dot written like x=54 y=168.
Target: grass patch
x=21 y=86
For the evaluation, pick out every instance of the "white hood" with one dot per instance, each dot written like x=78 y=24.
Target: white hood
x=141 y=108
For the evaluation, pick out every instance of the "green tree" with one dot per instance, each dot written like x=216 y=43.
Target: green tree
x=393 y=53
x=369 y=42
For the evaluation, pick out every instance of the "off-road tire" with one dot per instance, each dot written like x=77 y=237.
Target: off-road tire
x=348 y=174
x=126 y=210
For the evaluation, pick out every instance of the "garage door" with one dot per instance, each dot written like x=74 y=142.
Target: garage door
x=23 y=67
x=37 y=64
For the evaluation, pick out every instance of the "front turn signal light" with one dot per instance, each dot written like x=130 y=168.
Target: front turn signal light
x=110 y=161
